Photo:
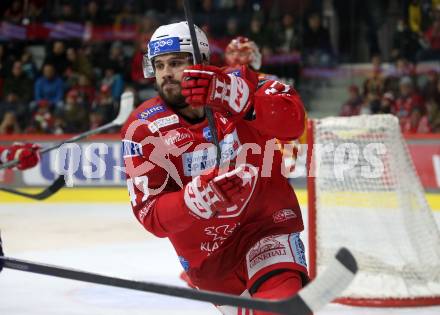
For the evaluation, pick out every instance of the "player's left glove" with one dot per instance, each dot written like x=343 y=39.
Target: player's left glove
x=208 y=85
x=27 y=154
x=224 y=195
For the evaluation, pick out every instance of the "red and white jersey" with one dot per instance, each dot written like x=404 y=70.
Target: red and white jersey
x=163 y=151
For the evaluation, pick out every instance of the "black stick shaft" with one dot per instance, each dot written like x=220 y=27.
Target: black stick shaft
x=322 y=290
x=199 y=295
x=198 y=60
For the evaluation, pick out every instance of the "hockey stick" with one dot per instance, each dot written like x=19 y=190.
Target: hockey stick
x=46 y=193
x=326 y=287
x=198 y=57
x=126 y=107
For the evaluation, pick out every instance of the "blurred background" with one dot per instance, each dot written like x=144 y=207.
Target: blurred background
x=64 y=64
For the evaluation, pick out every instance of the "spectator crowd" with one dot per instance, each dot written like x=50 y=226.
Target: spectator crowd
x=93 y=51
x=400 y=89
x=404 y=87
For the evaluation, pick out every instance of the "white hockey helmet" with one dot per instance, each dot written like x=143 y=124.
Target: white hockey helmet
x=173 y=38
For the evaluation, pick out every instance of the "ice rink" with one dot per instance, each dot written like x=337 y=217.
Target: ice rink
x=103 y=238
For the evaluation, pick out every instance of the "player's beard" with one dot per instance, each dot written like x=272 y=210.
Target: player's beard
x=175 y=99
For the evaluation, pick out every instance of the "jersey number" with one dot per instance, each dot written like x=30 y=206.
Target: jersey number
x=277 y=88
x=141 y=180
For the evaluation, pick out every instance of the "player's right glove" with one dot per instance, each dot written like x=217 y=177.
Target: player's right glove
x=208 y=85
x=222 y=195
x=27 y=154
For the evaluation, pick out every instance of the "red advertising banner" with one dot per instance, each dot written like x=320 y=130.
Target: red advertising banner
x=426 y=158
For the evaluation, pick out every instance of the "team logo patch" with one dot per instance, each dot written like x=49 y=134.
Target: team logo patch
x=217 y=235
x=131 y=148
x=150 y=112
x=163 y=122
x=184 y=263
x=283 y=215
x=178 y=137
x=163 y=45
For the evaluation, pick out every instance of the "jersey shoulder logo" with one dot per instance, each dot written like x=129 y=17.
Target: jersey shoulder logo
x=151 y=111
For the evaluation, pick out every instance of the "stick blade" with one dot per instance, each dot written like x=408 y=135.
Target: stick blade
x=126 y=107
x=46 y=193
x=346 y=258
x=327 y=286
x=52 y=189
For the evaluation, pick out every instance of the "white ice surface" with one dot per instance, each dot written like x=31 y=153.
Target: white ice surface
x=103 y=238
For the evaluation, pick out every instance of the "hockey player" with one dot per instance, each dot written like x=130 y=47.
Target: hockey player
x=235 y=227
x=242 y=51
x=27 y=154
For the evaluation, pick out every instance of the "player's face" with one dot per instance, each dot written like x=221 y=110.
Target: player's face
x=169 y=69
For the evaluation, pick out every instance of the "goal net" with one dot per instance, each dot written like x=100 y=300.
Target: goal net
x=364 y=194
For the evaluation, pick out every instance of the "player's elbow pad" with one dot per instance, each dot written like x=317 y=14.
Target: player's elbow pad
x=280 y=116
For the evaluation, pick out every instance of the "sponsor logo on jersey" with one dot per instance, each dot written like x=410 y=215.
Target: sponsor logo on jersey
x=184 y=263
x=163 y=122
x=150 y=112
x=298 y=249
x=197 y=162
x=207 y=134
x=178 y=137
x=283 y=215
x=265 y=249
x=237 y=73
x=273 y=250
x=131 y=148
x=163 y=45
x=146 y=209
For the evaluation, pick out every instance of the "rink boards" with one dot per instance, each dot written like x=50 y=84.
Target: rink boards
x=95 y=230
x=118 y=194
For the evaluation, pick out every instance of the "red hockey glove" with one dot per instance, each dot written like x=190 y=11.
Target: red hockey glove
x=27 y=154
x=222 y=195
x=209 y=85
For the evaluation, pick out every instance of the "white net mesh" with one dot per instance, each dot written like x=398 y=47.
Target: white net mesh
x=369 y=199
